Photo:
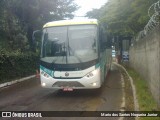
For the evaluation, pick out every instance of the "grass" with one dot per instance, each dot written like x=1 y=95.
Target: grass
x=129 y=100
x=145 y=98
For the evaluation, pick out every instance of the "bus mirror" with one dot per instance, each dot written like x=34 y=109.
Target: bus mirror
x=35 y=34
x=36 y=38
x=45 y=36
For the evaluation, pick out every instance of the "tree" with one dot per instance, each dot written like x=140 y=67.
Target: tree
x=123 y=17
x=22 y=17
x=9 y=25
x=35 y=13
x=139 y=17
x=95 y=13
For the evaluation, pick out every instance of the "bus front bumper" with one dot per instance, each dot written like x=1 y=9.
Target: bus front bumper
x=86 y=82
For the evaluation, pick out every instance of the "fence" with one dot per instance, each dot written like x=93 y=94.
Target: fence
x=154 y=14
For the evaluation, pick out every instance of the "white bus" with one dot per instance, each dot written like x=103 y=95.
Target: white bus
x=74 y=55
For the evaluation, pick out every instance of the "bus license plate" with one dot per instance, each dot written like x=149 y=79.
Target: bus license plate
x=67 y=89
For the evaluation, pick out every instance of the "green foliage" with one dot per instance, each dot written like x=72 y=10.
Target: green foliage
x=17 y=64
x=144 y=96
x=123 y=17
x=19 y=18
x=95 y=13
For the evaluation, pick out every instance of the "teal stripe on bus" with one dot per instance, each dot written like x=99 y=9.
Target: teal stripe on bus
x=48 y=71
x=97 y=65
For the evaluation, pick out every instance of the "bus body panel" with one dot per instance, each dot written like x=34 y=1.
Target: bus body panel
x=71 y=22
x=105 y=63
x=88 y=79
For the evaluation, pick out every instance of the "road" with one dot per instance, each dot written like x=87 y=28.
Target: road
x=30 y=96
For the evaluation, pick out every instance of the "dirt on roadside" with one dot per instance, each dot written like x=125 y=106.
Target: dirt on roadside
x=129 y=99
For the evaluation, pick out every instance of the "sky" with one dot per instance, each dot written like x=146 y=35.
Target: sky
x=88 y=5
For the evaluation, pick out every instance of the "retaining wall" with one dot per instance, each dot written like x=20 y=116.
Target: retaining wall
x=145 y=59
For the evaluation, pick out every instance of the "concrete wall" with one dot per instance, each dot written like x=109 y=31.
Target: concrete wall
x=145 y=59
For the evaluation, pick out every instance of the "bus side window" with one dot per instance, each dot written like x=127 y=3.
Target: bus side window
x=103 y=40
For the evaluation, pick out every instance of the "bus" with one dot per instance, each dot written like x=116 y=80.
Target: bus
x=74 y=55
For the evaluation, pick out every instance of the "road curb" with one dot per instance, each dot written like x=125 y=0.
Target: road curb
x=123 y=104
x=16 y=81
x=136 y=104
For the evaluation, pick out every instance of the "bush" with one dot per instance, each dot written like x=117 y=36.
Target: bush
x=17 y=64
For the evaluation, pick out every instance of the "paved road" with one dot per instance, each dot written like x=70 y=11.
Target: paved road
x=29 y=96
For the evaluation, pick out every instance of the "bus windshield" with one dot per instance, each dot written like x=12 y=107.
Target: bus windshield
x=69 y=44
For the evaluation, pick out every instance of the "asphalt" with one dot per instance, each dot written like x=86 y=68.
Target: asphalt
x=30 y=96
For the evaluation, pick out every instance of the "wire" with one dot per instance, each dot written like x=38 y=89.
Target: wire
x=152 y=23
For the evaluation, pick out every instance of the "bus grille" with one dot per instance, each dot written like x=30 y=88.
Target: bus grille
x=67 y=84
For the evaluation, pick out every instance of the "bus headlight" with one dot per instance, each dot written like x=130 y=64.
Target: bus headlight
x=43 y=84
x=91 y=74
x=44 y=74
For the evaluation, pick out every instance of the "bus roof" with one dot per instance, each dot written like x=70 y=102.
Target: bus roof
x=70 y=22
